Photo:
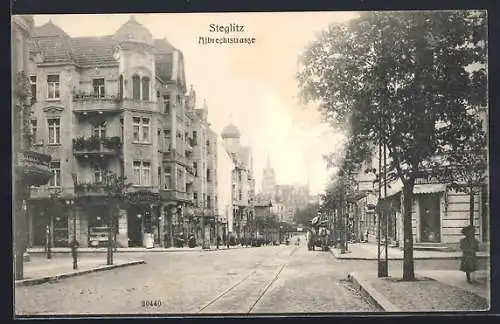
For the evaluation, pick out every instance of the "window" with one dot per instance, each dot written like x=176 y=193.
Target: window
x=195 y=198
x=99 y=174
x=100 y=130
x=157 y=94
x=168 y=178
x=195 y=168
x=208 y=175
x=140 y=129
x=159 y=175
x=33 y=88
x=98 y=85
x=180 y=180
x=178 y=99
x=120 y=94
x=142 y=173
x=136 y=87
x=54 y=125
x=239 y=176
x=122 y=130
x=195 y=137
x=53 y=86
x=55 y=180
x=209 y=202
x=145 y=129
x=33 y=130
x=166 y=103
x=145 y=88
x=240 y=195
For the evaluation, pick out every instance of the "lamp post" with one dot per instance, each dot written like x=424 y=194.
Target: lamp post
x=74 y=243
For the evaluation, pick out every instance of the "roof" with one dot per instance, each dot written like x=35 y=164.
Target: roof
x=58 y=47
x=133 y=31
x=48 y=30
x=89 y=51
x=230 y=131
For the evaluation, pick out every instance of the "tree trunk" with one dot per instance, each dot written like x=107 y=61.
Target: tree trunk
x=20 y=235
x=471 y=206
x=408 y=265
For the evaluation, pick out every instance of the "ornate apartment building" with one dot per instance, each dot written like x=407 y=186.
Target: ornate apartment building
x=29 y=167
x=115 y=104
x=243 y=183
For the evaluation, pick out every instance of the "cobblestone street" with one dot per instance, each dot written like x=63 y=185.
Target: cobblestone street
x=257 y=280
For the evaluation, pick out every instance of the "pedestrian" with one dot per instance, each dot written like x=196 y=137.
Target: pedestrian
x=469 y=246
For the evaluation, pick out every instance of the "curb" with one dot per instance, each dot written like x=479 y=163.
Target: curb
x=134 y=251
x=368 y=291
x=38 y=281
x=340 y=257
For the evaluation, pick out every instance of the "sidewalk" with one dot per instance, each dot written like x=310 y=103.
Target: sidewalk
x=436 y=290
x=369 y=251
x=41 y=270
x=41 y=250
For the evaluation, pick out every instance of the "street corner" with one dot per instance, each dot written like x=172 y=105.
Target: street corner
x=59 y=276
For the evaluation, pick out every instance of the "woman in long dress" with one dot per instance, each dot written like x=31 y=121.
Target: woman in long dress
x=469 y=246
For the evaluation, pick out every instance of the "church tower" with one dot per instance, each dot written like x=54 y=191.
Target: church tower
x=269 y=180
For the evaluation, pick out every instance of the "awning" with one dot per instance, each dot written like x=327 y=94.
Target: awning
x=429 y=188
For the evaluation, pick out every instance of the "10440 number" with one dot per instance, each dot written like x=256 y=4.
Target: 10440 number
x=151 y=303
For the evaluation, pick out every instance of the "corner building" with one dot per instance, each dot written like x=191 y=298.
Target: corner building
x=119 y=104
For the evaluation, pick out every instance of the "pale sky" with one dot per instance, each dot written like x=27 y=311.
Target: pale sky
x=251 y=84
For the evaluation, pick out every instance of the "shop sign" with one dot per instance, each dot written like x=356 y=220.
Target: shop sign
x=141 y=197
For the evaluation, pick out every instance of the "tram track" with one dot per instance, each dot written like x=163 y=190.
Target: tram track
x=212 y=304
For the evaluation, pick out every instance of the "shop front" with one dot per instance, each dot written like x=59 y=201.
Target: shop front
x=48 y=219
x=143 y=218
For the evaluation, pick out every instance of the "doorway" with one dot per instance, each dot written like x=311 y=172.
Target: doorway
x=430 y=218
x=134 y=227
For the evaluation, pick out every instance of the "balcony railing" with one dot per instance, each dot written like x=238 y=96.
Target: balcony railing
x=90 y=189
x=87 y=102
x=97 y=146
x=34 y=167
x=174 y=195
x=173 y=156
x=111 y=101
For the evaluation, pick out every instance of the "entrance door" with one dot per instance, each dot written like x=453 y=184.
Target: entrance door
x=430 y=218
x=61 y=237
x=134 y=227
x=40 y=220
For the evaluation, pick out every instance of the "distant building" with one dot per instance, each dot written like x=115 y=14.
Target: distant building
x=243 y=182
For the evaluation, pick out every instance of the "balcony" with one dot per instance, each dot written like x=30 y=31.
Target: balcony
x=89 y=102
x=188 y=145
x=96 y=147
x=90 y=189
x=33 y=167
x=174 y=195
x=173 y=156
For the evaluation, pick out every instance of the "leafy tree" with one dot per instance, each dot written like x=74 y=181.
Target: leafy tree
x=400 y=79
x=468 y=164
x=305 y=214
